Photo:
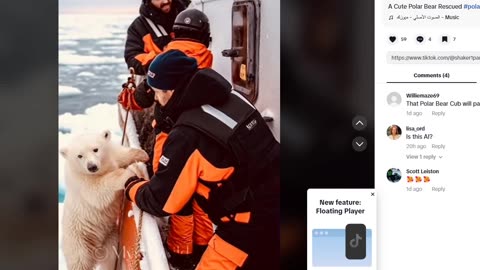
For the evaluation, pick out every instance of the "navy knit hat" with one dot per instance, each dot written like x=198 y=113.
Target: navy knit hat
x=169 y=68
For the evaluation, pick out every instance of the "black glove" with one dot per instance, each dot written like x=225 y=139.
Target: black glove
x=144 y=87
x=130 y=183
x=144 y=95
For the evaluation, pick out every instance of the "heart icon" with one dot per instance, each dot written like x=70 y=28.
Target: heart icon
x=392 y=38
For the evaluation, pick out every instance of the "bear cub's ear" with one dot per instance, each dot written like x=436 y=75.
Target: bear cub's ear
x=63 y=152
x=106 y=135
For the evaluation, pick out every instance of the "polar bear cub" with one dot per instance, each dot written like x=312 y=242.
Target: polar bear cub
x=95 y=172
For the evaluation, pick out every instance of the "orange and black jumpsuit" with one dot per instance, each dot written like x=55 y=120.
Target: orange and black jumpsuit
x=197 y=229
x=186 y=229
x=193 y=164
x=144 y=42
x=145 y=39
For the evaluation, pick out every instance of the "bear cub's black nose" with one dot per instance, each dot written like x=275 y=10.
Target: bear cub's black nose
x=92 y=167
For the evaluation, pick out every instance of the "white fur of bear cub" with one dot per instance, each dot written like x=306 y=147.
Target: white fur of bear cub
x=95 y=173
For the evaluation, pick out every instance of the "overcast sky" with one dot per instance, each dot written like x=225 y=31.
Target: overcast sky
x=67 y=6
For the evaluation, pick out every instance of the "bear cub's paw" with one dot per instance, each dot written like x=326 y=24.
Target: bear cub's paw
x=140 y=155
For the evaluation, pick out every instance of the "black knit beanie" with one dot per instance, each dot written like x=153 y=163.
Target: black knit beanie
x=168 y=69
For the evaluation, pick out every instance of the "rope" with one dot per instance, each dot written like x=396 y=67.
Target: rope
x=125 y=125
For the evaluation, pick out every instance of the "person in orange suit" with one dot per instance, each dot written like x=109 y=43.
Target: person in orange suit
x=215 y=149
x=150 y=32
x=189 y=233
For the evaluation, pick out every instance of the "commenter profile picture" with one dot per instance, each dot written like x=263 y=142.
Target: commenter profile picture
x=394 y=175
x=394 y=132
x=394 y=99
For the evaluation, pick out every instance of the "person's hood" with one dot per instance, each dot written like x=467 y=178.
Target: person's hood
x=158 y=17
x=206 y=86
x=193 y=49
